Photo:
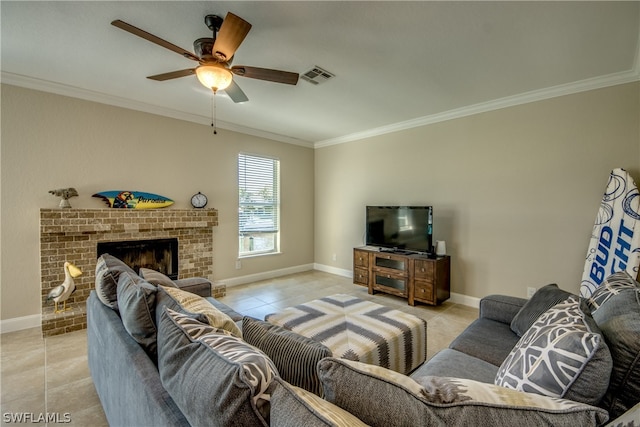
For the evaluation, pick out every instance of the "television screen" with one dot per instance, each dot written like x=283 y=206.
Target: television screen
x=408 y=228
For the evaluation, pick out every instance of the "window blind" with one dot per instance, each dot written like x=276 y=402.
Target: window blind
x=258 y=181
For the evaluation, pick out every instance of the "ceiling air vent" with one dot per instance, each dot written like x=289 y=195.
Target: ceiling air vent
x=317 y=75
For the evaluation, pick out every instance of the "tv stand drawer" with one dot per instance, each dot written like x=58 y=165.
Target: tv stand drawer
x=361 y=276
x=360 y=259
x=390 y=284
x=423 y=269
x=391 y=262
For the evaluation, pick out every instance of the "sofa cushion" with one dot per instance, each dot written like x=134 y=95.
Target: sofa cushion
x=562 y=355
x=108 y=270
x=137 y=302
x=381 y=397
x=452 y=363
x=214 y=378
x=290 y=405
x=486 y=339
x=188 y=303
x=616 y=310
x=295 y=356
x=544 y=298
x=156 y=278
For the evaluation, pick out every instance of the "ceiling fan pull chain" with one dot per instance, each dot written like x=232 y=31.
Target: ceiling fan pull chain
x=213 y=113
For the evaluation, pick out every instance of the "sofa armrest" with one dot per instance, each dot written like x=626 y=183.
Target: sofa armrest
x=501 y=308
x=195 y=285
x=126 y=380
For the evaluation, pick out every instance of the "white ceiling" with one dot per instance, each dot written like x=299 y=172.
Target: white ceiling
x=397 y=64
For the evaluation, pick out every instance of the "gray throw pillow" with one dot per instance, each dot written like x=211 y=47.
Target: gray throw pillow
x=108 y=270
x=156 y=278
x=562 y=355
x=545 y=298
x=216 y=379
x=382 y=397
x=295 y=356
x=137 y=302
x=616 y=310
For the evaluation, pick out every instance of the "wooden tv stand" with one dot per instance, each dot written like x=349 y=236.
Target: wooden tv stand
x=415 y=277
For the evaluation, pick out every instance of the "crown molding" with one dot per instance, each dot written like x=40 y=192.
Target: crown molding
x=102 y=98
x=510 y=101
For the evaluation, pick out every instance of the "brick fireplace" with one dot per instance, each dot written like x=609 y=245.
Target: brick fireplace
x=73 y=235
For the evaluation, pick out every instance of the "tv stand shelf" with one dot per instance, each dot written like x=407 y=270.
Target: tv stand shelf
x=416 y=277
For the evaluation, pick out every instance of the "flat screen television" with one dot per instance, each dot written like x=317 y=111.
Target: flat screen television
x=400 y=228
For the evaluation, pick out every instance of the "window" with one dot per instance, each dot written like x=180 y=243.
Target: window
x=259 y=204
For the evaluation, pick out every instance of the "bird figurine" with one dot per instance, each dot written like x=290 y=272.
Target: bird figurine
x=61 y=293
x=65 y=194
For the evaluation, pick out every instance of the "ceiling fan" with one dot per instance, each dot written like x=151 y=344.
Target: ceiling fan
x=214 y=55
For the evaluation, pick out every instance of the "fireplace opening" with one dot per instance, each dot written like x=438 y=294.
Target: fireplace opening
x=156 y=254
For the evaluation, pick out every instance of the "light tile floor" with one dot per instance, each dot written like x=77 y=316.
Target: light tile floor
x=51 y=375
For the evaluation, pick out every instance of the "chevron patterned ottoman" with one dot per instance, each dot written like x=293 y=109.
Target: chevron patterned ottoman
x=359 y=330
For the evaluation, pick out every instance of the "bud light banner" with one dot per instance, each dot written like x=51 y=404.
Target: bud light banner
x=615 y=241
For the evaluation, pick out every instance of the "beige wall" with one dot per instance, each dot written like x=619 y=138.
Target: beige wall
x=51 y=141
x=515 y=191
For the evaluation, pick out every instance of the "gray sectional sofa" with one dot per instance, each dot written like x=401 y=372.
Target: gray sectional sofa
x=156 y=360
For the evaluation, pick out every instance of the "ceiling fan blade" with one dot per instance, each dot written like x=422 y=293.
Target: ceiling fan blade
x=277 y=76
x=153 y=39
x=235 y=93
x=232 y=32
x=173 y=75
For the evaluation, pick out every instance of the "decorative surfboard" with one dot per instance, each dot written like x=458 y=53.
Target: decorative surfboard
x=615 y=240
x=133 y=199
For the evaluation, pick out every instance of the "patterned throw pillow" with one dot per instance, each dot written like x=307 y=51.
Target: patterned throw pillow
x=156 y=278
x=295 y=356
x=290 y=404
x=195 y=304
x=381 y=397
x=562 y=355
x=214 y=378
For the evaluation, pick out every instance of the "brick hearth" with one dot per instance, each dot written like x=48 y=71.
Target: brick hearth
x=73 y=235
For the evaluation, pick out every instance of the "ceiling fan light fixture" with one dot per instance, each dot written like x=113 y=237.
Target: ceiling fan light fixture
x=214 y=77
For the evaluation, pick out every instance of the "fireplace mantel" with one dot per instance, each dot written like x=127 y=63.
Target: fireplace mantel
x=70 y=221
x=73 y=235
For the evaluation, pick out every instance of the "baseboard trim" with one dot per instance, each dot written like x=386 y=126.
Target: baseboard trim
x=20 y=323
x=464 y=300
x=243 y=280
x=333 y=270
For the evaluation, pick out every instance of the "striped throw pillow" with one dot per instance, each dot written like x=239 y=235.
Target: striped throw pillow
x=295 y=356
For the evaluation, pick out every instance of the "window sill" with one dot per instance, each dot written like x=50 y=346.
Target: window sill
x=258 y=255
